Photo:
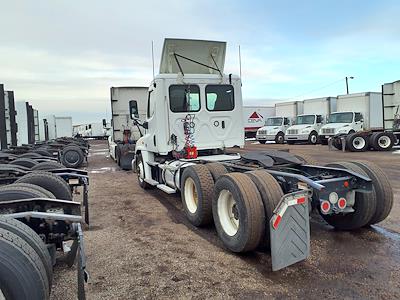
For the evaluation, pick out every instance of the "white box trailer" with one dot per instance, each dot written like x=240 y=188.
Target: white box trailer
x=255 y=117
x=124 y=132
x=391 y=107
x=319 y=106
x=63 y=127
x=369 y=104
x=289 y=109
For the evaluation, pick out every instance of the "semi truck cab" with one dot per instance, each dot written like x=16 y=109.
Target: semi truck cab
x=341 y=123
x=306 y=128
x=274 y=130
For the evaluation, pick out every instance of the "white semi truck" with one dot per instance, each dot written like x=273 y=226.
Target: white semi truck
x=124 y=134
x=255 y=117
x=274 y=130
x=364 y=120
x=194 y=113
x=307 y=125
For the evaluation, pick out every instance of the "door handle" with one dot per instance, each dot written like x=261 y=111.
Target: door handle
x=223 y=124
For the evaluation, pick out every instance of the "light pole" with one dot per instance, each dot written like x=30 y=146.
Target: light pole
x=347 y=83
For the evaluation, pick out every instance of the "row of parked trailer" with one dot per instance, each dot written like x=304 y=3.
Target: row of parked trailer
x=356 y=122
x=39 y=216
x=21 y=124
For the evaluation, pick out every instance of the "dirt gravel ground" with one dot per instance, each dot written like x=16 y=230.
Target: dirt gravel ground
x=139 y=245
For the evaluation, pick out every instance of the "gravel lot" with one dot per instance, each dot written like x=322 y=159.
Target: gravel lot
x=139 y=245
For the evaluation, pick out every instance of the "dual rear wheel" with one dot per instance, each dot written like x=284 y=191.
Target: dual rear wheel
x=239 y=203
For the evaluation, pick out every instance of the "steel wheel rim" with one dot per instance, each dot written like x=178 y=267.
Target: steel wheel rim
x=384 y=142
x=313 y=139
x=280 y=139
x=72 y=157
x=191 y=196
x=359 y=143
x=228 y=213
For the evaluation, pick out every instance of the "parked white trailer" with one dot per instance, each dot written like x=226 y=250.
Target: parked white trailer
x=63 y=127
x=124 y=132
x=289 y=109
x=8 y=127
x=25 y=123
x=258 y=199
x=255 y=117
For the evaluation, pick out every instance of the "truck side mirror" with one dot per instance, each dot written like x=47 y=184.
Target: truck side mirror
x=104 y=123
x=133 y=109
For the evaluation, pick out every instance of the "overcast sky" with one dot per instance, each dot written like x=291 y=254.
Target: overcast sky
x=63 y=56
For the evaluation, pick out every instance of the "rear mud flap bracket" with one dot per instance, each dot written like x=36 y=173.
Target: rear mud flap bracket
x=290 y=230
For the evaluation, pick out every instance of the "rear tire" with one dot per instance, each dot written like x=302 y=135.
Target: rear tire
x=72 y=156
x=382 y=141
x=238 y=212
x=383 y=190
x=24 y=162
x=357 y=142
x=271 y=193
x=53 y=183
x=364 y=206
x=47 y=165
x=216 y=169
x=22 y=273
x=197 y=186
x=30 y=236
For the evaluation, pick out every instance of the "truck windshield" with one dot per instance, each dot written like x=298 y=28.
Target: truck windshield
x=341 y=118
x=303 y=120
x=274 y=122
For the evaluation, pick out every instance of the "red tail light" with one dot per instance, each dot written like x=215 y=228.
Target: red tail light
x=325 y=206
x=342 y=203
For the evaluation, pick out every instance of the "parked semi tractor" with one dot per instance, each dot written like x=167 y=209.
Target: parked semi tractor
x=258 y=199
x=364 y=120
x=124 y=135
x=274 y=130
x=307 y=125
x=255 y=117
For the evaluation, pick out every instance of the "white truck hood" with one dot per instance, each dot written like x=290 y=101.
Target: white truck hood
x=300 y=127
x=335 y=125
x=267 y=128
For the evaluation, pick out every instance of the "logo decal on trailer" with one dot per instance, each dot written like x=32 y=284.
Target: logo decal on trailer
x=255 y=117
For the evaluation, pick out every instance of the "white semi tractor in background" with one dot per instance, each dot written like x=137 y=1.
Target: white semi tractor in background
x=307 y=125
x=365 y=120
x=124 y=133
x=255 y=117
x=192 y=114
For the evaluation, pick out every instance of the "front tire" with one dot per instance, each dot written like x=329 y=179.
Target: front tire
x=313 y=138
x=280 y=138
x=141 y=172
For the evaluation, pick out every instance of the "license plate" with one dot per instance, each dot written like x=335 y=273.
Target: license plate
x=73 y=181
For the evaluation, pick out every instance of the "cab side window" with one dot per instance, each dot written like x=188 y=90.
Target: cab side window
x=220 y=97
x=319 y=119
x=358 y=117
x=286 y=121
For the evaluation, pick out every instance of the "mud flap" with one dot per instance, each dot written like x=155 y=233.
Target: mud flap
x=290 y=230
